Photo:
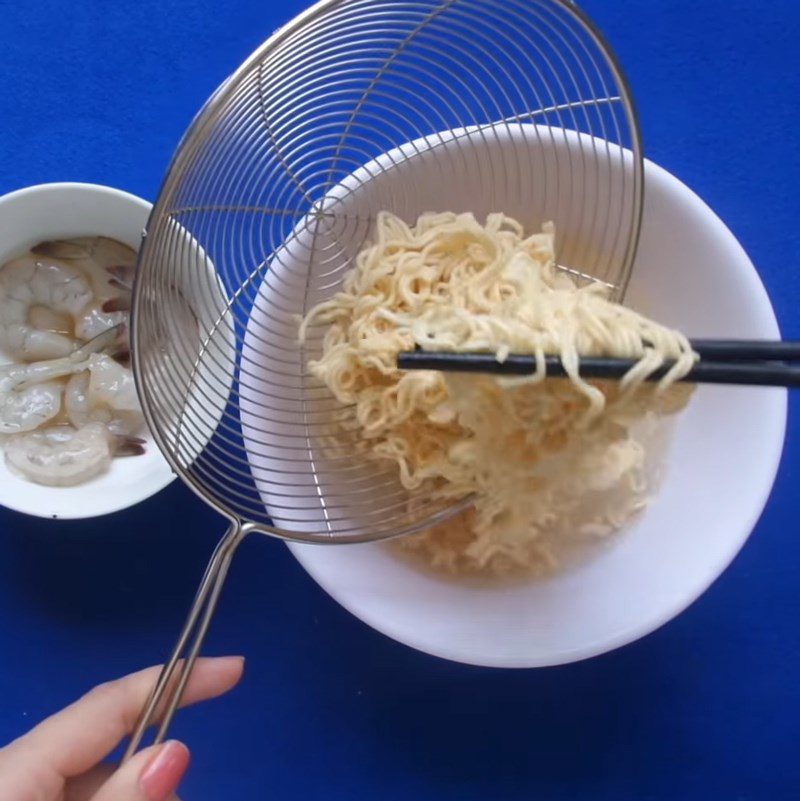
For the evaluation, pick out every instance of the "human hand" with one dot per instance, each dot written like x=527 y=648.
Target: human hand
x=59 y=759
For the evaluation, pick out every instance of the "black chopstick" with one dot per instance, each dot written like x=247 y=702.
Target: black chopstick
x=747 y=349
x=732 y=367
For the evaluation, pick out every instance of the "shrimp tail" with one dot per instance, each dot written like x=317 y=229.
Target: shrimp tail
x=117 y=304
x=121 y=276
x=128 y=446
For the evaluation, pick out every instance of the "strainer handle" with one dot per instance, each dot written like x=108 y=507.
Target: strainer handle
x=168 y=691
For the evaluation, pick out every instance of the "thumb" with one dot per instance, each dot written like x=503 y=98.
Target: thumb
x=151 y=775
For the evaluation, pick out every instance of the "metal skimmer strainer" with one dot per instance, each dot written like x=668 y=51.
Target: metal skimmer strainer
x=353 y=107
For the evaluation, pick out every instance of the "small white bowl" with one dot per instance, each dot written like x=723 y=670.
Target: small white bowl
x=63 y=210
x=690 y=273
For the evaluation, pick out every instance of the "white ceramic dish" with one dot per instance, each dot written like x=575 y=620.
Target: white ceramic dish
x=690 y=272
x=63 y=210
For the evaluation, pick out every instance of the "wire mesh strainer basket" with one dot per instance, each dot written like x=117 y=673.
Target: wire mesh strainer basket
x=354 y=107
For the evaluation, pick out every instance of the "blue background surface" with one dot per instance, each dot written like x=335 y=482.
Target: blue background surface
x=706 y=708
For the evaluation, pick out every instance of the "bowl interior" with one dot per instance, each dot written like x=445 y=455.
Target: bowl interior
x=55 y=211
x=690 y=273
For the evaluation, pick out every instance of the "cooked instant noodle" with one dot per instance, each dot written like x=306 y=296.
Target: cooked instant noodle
x=543 y=460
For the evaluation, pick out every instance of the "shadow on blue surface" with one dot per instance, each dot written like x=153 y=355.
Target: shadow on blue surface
x=121 y=568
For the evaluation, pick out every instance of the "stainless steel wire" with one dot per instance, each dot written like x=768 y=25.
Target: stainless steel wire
x=354 y=107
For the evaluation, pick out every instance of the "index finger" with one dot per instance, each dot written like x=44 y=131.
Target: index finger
x=78 y=737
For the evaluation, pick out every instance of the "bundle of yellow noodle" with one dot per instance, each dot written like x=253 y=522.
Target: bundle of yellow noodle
x=542 y=459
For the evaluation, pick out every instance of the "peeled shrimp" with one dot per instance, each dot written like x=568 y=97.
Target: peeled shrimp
x=109 y=310
x=60 y=456
x=34 y=281
x=94 y=320
x=104 y=393
x=110 y=267
x=27 y=409
x=112 y=384
x=108 y=264
x=63 y=290
x=29 y=394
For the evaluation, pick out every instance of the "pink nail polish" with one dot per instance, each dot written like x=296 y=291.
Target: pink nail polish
x=164 y=772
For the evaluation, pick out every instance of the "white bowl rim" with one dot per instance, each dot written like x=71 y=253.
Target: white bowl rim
x=653 y=174
x=48 y=186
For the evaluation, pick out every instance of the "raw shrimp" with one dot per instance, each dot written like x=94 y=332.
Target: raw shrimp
x=76 y=400
x=108 y=311
x=107 y=263
x=62 y=290
x=34 y=281
x=104 y=393
x=110 y=267
x=24 y=410
x=112 y=384
x=60 y=456
x=94 y=320
x=29 y=393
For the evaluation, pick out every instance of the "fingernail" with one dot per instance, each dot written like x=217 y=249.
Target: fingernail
x=163 y=774
x=228 y=661
x=221 y=660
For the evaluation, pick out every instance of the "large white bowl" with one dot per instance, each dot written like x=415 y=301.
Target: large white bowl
x=62 y=210
x=690 y=273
